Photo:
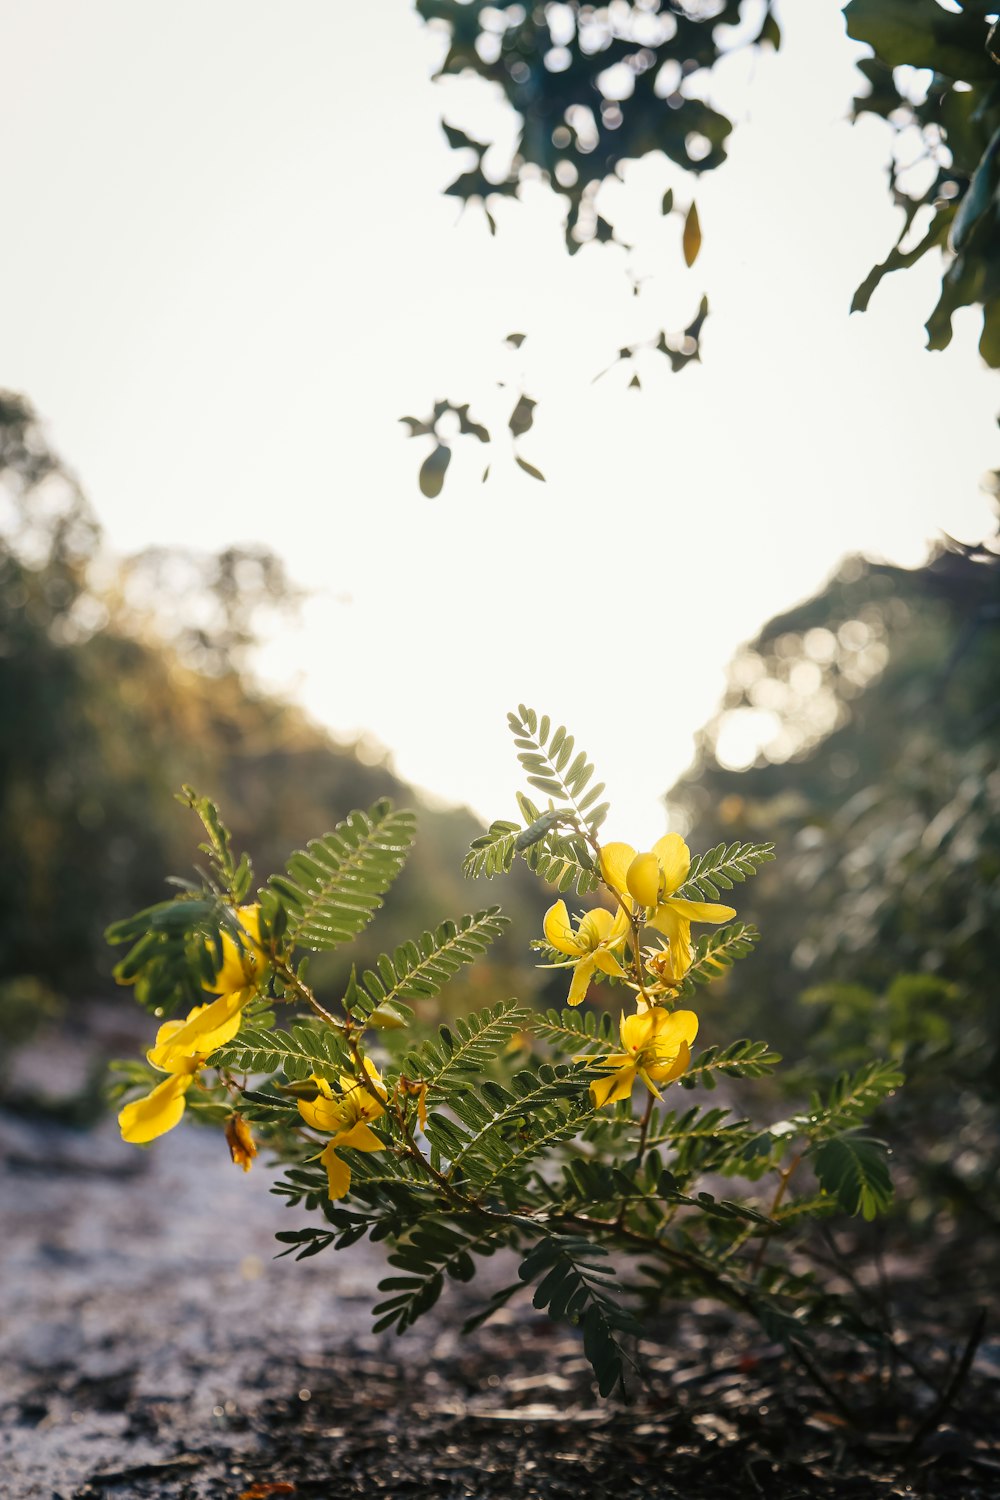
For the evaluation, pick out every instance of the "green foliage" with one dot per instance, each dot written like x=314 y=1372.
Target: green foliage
x=297 y=1053
x=576 y=1282
x=496 y=1120
x=334 y=886
x=552 y=67
x=717 y=951
x=420 y=969
x=174 y=950
x=958 y=115
x=493 y=852
x=436 y=1248
x=723 y=867
x=482 y=1133
x=469 y=1046
x=742 y=1059
x=854 y=1169
x=547 y=98
x=576 y=1029
x=547 y=756
x=852 y=1098
x=891 y=845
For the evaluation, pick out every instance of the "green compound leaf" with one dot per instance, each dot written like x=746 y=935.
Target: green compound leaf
x=577 y=1283
x=576 y=1030
x=742 y=1059
x=297 y=1053
x=716 y=952
x=333 y=887
x=855 y=1170
x=721 y=868
x=433 y=1249
x=555 y=767
x=468 y=1045
x=419 y=969
x=493 y=852
x=492 y=1123
x=851 y=1099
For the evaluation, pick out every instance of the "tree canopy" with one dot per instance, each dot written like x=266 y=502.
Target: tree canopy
x=595 y=86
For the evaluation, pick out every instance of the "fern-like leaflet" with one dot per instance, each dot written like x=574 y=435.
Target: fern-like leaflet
x=547 y=756
x=433 y=1249
x=851 y=1099
x=493 y=852
x=717 y=951
x=721 y=868
x=576 y=1030
x=854 y=1168
x=297 y=1053
x=467 y=1046
x=742 y=1059
x=576 y=1282
x=419 y=969
x=333 y=887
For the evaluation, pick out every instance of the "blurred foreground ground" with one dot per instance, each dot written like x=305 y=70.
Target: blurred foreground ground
x=151 y=1346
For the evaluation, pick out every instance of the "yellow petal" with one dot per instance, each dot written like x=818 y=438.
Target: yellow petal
x=240 y=966
x=668 y=920
x=674 y=1025
x=669 y=1050
x=376 y=1078
x=637 y=1030
x=338 y=1173
x=616 y=1086
x=703 y=911
x=323 y=1114
x=607 y=963
x=595 y=927
x=620 y=927
x=359 y=1138
x=358 y=1103
x=583 y=973
x=674 y=858
x=612 y=1060
x=206 y=1027
x=144 y=1119
x=558 y=932
x=615 y=860
x=667 y=1072
x=643 y=879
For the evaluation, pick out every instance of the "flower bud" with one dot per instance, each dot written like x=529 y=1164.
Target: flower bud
x=643 y=879
x=242 y=1146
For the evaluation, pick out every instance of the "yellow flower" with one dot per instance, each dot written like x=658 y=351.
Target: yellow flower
x=657 y=1049
x=240 y=966
x=589 y=947
x=180 y=1050
x=651 y=880
x=345 y=1116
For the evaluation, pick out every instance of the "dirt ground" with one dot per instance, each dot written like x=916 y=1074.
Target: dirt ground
x=150 y=1345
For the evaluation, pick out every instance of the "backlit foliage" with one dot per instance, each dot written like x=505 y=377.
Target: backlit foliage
x=504 y=1130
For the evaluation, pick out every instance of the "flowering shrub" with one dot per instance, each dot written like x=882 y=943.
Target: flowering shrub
x=509 y=1129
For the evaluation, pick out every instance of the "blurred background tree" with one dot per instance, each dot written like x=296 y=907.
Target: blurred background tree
x=121 y=681
x=861 y=731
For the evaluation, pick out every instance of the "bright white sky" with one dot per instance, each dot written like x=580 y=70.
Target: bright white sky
x=227 y=269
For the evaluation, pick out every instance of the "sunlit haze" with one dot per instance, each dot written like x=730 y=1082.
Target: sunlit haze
x=228 y=269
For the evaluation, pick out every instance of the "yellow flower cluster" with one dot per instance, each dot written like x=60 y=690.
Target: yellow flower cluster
x=656 y=1041
x=182 y=1047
